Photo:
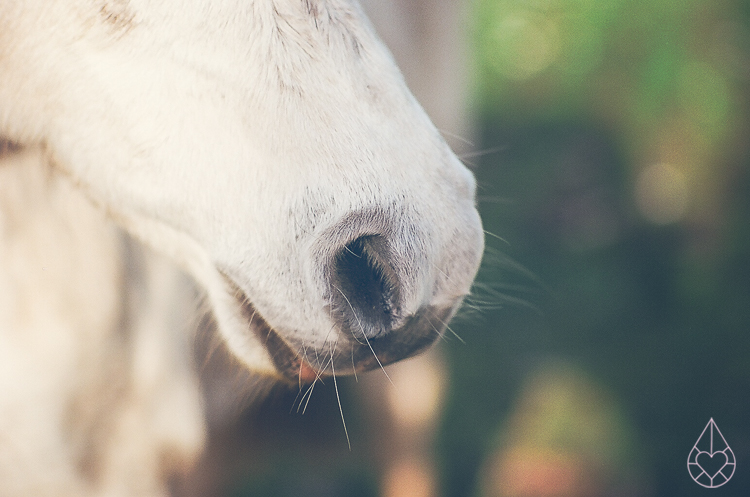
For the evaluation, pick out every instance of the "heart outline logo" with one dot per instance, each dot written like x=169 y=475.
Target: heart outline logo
x=711 y=464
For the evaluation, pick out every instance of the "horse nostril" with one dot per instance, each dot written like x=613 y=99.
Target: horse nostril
x=365 y=293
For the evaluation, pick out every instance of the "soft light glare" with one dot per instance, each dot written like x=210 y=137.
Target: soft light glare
x=661 y=193
x=410 y=478
x=526 y=45
x=417 y=390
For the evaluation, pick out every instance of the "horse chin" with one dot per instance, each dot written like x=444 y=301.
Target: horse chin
x=290 y=365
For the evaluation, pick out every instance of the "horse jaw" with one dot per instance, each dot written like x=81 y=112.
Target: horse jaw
x=253 y=149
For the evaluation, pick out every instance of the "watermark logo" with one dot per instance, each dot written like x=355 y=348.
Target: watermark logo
x=711 y=463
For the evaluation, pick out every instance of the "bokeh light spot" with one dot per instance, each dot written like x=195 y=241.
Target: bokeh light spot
x=525 y=45
x=409 y=478
x=417 y=391
x=661 y=193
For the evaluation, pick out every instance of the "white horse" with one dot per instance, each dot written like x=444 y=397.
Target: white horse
x=271 y=149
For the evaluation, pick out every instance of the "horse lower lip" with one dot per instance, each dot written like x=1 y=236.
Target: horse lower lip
x=351 y=357
x=289 y=364
x=306 y=373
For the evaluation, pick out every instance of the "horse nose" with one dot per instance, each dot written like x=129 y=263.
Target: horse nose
x=365 y=288
x=367 y=300
x=387 y=288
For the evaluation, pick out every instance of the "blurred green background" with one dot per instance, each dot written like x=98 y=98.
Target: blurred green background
x=611 y=317
x=618 y=175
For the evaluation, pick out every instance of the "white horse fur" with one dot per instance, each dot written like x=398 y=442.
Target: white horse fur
x=271 y=149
